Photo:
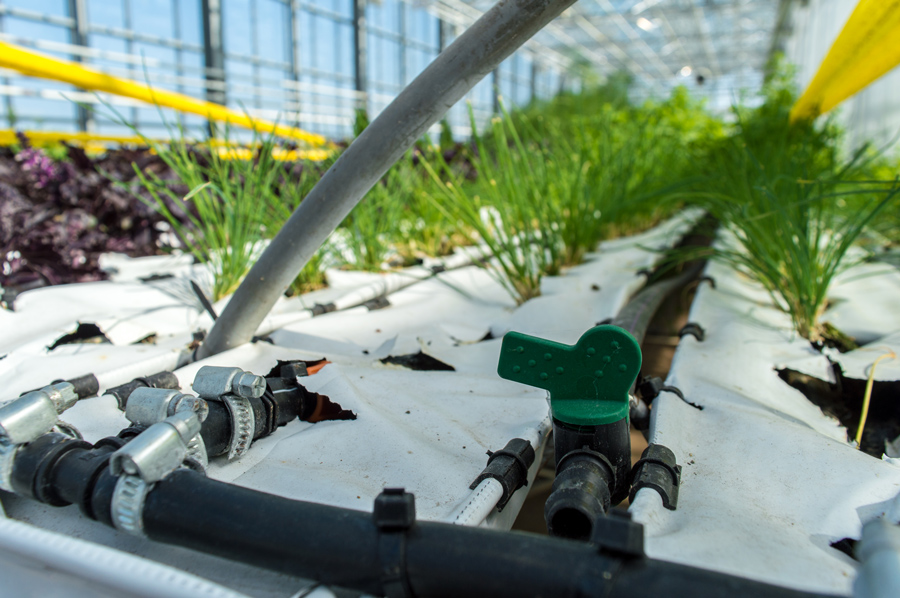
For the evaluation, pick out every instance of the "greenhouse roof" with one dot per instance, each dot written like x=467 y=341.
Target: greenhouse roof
x=720 y=43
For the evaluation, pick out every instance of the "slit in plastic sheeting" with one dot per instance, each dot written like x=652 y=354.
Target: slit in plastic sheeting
x=847 y=546
x=487 y=337
x=843 y=400
x=155 y=277
x=419 y=361
x=86 y=333
x=150 y=339
x=328 y=410
x=3 y=356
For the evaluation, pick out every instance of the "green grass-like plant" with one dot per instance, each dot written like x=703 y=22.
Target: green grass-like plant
x=234 y=205
x=794 y=205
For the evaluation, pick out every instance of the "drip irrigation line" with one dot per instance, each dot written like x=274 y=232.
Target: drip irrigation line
x=637 y=314
x=474 y=54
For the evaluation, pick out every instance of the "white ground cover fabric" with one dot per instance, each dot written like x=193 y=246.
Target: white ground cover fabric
x=768 y=481
x=427 y=431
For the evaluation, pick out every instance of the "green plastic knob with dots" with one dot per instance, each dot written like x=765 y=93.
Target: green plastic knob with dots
x=588 y=381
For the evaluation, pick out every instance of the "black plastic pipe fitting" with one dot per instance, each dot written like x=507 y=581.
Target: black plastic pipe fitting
x=580 y=494
x=509 y=466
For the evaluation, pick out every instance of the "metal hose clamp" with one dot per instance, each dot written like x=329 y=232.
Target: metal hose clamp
x=128 y=504
x=152 y=455
x=243 y=424
x=7 y=458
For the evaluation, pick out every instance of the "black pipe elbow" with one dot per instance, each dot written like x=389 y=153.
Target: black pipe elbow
x=580 y=494
x=592 y=472
x=612 y=440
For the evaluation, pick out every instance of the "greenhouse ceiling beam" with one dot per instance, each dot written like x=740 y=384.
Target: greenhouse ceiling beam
x=598 y=59
x=629 y=30
x=700 y=21
x=782 y=28
x=462 y=14
x=676 y=39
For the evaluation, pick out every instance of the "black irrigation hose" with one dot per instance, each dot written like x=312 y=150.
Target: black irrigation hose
x=345 y=548
x=637 y=314
x=474 y=54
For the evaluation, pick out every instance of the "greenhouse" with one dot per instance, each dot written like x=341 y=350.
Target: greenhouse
x=326 y=298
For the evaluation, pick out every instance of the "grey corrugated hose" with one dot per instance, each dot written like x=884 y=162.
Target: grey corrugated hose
x=474 y=54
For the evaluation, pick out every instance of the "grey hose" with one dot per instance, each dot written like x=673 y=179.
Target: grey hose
x=474 y=54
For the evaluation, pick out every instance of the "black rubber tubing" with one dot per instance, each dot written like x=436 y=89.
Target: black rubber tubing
x=479 y=50
x=337 y=546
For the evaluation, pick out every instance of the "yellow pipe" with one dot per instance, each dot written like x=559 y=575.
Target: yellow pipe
x=34 y=64
x=224 y=150
x=40 y=138
x=867 y=48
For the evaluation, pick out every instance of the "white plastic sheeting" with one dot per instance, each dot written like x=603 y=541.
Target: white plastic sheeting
x=427 y=431
x=768 y=481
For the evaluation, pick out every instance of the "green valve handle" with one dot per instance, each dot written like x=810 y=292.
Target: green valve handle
x=588 y=381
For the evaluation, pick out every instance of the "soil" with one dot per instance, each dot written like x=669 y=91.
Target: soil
x=843 y=401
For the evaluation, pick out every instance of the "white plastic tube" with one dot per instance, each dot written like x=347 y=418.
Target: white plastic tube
x=484 y=498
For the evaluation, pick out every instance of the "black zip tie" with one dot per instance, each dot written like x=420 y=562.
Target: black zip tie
x=377 y=303
x=394 y=514
x=694 y=329
x=319 y=309
x=204 y=301
x=709 y=279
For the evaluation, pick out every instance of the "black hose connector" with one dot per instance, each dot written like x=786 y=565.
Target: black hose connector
x=658 y=470
x=394 y=515
x=283 y=401
x=509 y=466
x=58 y=471
x=158 y=380
x=580 y=494
x=612 y=440
x=85 y=386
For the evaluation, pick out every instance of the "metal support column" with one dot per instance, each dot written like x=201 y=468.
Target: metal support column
x=254 y=51
x=401 y=26
x=79 y=36
x=129 y=49
x=293 y=50
x=213 y=51
x=7 y=100
x=495 y=90
x=532 y=87
x=359 y=52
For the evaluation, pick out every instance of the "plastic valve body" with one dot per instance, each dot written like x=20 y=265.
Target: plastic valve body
x=588 y=381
